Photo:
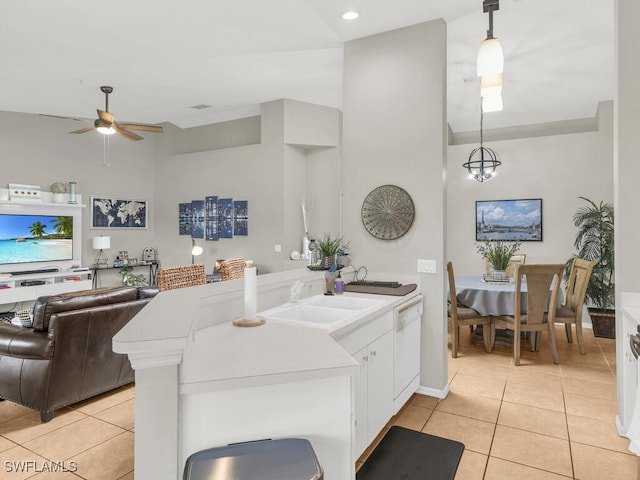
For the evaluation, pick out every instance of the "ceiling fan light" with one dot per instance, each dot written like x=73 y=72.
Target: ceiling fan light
x=490 y=57
x=492 y=103
x=106 y=130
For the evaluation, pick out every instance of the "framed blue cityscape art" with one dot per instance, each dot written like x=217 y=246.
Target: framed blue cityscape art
x=509 y=220
x=118 y=213
x=211 y=217
x=225 y=217
x=197 y=215
x=240 y=217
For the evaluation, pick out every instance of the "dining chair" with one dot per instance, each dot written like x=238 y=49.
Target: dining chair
x=539 y=283
x=182 y=276
x=459 y=315
x=514 y=261
x=571 y=311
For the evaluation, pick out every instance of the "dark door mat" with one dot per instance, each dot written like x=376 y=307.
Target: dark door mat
x=405 y=454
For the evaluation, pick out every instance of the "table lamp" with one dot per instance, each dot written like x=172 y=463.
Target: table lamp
x=195 y=250
x=101 y=243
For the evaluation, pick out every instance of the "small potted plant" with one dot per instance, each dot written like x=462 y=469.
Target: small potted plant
x=328 y=248
x=58 y=189
x=498 y=254
x=131 y=279
x=594 y=242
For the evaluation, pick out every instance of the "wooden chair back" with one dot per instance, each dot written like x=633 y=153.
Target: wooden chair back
x=577 y=284
x=541 y=279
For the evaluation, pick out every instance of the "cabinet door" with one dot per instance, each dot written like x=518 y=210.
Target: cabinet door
x=380 y=384
x=359 y=383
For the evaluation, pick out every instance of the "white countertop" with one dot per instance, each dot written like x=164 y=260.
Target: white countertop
x=219 y=355
x=225 y=356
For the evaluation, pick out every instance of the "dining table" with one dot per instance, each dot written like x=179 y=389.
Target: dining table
x=493 y=298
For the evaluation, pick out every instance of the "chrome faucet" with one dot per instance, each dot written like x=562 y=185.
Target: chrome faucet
x=296 y=290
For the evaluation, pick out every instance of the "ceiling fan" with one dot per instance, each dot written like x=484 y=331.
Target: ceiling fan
x=106 y=123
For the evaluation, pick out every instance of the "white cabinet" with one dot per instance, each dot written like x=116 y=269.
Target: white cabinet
x=13 y=291
x=372 y=347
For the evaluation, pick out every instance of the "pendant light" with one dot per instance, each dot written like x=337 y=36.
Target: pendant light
x=490 y=56
x=490 y=64
x=483 y=161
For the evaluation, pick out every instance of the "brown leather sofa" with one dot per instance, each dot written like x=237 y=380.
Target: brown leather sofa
x=67 y=355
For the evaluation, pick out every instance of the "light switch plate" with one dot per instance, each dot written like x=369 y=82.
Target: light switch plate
x=426 y=266
x=277 y=248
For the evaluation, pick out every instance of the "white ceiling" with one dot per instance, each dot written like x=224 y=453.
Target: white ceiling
x=163 y=57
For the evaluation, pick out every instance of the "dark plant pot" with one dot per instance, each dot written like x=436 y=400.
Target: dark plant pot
x=604 y=322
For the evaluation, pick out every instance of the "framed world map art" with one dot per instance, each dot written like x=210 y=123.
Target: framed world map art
x=118 y=213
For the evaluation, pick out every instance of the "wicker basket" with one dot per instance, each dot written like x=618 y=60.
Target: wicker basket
x=232 y=268
x=179 y=277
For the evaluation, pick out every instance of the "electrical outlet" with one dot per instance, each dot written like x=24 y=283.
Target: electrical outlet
x=277 y=248
x=426 y=266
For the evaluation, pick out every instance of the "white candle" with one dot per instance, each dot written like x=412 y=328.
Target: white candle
x=250 y=291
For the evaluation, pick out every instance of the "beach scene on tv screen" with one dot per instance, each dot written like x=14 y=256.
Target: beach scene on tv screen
x=35 y=238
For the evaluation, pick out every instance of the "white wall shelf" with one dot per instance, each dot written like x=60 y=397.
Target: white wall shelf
x=13 y=291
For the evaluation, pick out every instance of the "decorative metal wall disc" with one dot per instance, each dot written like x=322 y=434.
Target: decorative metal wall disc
x=387 y=212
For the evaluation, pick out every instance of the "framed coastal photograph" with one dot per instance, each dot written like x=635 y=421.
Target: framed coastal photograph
x=118 y=213
x=509 y=220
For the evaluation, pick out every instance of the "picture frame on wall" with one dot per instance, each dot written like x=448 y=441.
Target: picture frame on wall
x=509 y=220
x=109 y=212
x=240 y=217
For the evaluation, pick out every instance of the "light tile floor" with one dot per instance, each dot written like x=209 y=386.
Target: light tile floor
x=92 y=440
x=536 y=421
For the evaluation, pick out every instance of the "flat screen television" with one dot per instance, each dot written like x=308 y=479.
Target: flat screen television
x=35 y=238
x=509 y=220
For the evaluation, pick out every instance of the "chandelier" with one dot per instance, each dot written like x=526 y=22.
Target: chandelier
x=483 y=161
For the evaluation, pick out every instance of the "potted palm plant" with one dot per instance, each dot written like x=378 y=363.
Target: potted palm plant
x=594 y=242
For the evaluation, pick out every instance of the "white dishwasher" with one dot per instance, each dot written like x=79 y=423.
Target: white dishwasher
x=407 y=322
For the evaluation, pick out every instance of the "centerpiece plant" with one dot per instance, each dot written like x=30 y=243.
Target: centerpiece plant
x=498 y=253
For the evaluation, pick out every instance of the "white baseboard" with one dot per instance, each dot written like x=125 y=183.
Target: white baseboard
x=433 y=392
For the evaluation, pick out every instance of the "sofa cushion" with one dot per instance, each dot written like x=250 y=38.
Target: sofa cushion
x=46 y=306
x=19 y=342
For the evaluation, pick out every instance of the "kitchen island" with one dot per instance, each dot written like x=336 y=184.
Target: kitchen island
x=202 y=382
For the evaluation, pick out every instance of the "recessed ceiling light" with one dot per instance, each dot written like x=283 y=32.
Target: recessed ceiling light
x=350 y=15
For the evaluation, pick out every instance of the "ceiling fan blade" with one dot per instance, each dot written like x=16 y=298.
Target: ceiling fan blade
x=65 y=118
x=84 y=130
x=141 y=127
x=105 y=116
x=127 y=134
